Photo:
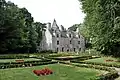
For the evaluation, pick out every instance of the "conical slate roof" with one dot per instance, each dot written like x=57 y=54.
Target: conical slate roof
x=54 y=25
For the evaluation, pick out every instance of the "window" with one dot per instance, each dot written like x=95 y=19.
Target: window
x=52 y=29
x=78 y=42
x=79 y=36
x=68 y=50
x=61 y=35
x=79 y=49
x=62 y=49
x=57 y=49
x=70 y=35
x=57 y=42
x=57 y=35
x=70 y=42
x=74 y=49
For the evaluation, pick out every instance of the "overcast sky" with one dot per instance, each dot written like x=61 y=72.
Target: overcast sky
x=66 y=12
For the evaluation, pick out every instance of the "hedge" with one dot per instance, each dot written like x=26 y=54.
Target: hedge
x=13 y=56
x=7 y=63
x=79 y=58
x=25 y=64
x=95 y=63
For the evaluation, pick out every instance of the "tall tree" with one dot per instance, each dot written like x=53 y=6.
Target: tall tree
x=10 y=27
x=102 y=24
x=39 y=28
x=18 y=32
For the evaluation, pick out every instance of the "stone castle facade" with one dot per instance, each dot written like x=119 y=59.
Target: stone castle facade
x=57 y=38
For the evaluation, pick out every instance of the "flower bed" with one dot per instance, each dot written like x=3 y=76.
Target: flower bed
x=19 y=60
x=42 y=72
x=109 y=60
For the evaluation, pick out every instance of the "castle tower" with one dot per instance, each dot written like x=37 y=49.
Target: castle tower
x=54 y=25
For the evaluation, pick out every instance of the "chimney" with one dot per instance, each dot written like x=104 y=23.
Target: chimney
x=48 y=25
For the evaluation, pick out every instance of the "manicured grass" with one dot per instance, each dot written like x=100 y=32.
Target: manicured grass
x=61 y=72
x=14 y=60
x=103 y=60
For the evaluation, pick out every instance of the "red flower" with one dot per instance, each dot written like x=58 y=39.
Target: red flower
x=45 y=71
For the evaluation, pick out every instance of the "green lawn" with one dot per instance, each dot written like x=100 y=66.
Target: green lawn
x=103 y=60
x=13 y=60
x=61 y=72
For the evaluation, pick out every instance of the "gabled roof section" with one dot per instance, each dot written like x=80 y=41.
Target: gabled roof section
x=62 y=28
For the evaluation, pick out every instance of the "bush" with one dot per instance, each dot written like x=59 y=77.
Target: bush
x=48 y=51
x=95 y=63
x=76 y=58
x=13 y=56
x=4 y=66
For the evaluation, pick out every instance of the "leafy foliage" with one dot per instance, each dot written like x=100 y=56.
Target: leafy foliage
x=102 y=24
x=74 y=27
x=18 y=35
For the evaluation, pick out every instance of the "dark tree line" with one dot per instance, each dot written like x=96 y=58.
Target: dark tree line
x=18 y=31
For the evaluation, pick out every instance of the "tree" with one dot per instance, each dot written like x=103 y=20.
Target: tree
x=18 y=32
x=10 y=27
x=74 y=27
x=102 y=24
x=39 y=28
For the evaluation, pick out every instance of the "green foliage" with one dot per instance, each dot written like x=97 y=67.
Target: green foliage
x=18 y=35
x=102 y=24
x=39 y=28
x=74 y=27
x=26 y=64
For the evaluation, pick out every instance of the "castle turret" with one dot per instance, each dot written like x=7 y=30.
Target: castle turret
x=54 y=25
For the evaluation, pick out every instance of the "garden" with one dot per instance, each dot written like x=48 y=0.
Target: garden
x=60 y=72
x=58 y=67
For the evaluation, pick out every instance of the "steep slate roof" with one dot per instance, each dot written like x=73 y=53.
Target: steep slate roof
x=54 y=25
x=51 y=32
x=63 y=32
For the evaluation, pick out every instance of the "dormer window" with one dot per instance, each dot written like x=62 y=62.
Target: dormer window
x=79 y=36
x=78 y=42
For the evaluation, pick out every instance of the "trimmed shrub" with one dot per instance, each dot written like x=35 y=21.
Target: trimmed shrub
x=4 y=66
x=95 y=63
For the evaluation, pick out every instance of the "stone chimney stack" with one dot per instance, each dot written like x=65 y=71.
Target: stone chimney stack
x=48 y=25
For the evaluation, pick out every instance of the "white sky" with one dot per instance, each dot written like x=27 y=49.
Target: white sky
x=66 y=12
